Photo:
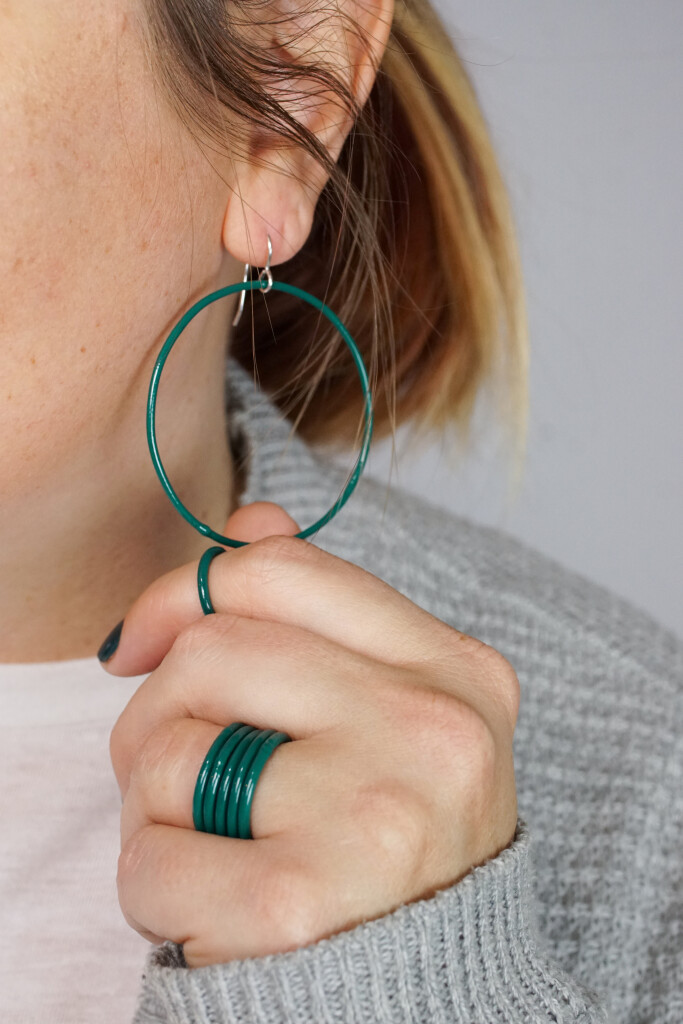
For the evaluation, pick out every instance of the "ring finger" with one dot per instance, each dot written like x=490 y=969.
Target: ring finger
x=164 y=776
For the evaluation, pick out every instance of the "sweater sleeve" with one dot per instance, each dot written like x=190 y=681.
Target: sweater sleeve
x=470 y=953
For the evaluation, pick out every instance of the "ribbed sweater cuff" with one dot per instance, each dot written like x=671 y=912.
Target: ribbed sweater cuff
x=469 y=953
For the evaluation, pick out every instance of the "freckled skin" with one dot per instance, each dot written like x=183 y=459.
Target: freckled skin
x=84 y=215
x=113 y=222
x=100 y=188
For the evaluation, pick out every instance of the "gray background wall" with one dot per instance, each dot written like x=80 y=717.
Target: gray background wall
x=585 y=104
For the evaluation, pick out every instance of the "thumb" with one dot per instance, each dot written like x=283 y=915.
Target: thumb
x=258 y=520
x=171 y=602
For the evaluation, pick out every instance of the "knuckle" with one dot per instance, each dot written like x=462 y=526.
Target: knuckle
x=466 y=748
x=395 y=823
x=270 y=558
x=201 y=641
x=131 y=858
x=287 y=906
x=471 y=646
x=479 y=754
x=151 y=853
x=508 y=688
x=465 y=645
x=448 y=738
x=159 y=599
x=478 y=777
x=164 y=746
x=433 y=719
x=122 y=748
x=503 y=682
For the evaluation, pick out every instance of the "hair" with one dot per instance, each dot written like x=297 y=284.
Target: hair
x=413 y=243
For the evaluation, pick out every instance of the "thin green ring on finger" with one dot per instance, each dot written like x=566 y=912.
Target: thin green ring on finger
x=212 y=815
x=231 y=736
x=203 y=578
x=225 y=785
x=247 y=793
x=231 y=793
x=200 y=785
x=246 y=761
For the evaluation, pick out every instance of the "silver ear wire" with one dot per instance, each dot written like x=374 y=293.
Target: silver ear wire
x=240 y=305
x=265 y=274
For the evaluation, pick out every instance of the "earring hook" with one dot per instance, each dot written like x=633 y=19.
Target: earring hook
x=265 y=278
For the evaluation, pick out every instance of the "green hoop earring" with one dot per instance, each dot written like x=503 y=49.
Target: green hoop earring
x=264 y=283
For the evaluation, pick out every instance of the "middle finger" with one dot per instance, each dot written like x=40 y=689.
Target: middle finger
x=228 y=669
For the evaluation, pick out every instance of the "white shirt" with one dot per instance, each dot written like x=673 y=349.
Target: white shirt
x=67 y=956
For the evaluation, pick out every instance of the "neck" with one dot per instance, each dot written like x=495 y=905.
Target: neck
x=80 y=548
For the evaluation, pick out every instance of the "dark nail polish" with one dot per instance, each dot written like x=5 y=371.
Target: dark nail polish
x=108 y=648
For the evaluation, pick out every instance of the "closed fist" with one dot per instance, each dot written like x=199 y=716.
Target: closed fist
x=398 y=781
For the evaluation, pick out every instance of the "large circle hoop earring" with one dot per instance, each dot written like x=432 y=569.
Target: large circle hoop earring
x=263 y=283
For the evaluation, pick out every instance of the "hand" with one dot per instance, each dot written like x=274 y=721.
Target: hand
x=398 y=781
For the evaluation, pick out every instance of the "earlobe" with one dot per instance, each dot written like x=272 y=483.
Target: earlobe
x=277 y=185
x=265 y=202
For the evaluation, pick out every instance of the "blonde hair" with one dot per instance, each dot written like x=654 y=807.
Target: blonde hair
x=413 y=243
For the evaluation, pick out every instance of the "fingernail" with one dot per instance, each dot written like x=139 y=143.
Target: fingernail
x=108 y=648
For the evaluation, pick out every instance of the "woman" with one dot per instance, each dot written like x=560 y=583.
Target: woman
x=149 y=150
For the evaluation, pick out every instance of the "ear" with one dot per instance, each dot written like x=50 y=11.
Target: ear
x=276 y=184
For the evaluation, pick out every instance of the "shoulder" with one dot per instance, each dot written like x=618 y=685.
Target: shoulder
x=598 y=740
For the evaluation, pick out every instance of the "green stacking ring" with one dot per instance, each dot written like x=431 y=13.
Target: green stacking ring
x=197 y=812
x=222 y=761
x=225 y=785
x=249 y=785
x=227 y=779
x=250 y=751
x=228 y=788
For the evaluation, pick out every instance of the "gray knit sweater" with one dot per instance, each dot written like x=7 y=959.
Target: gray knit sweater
x=581 y=918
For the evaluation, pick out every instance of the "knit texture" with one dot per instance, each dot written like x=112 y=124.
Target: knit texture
x=580 y=918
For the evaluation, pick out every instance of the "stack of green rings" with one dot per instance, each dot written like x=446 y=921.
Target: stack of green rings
x=227 y=779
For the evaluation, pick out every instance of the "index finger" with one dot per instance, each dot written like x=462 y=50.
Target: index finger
x=288 y=580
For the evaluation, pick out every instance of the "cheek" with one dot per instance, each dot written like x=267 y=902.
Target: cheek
x=95 y=207
x=83 y=183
